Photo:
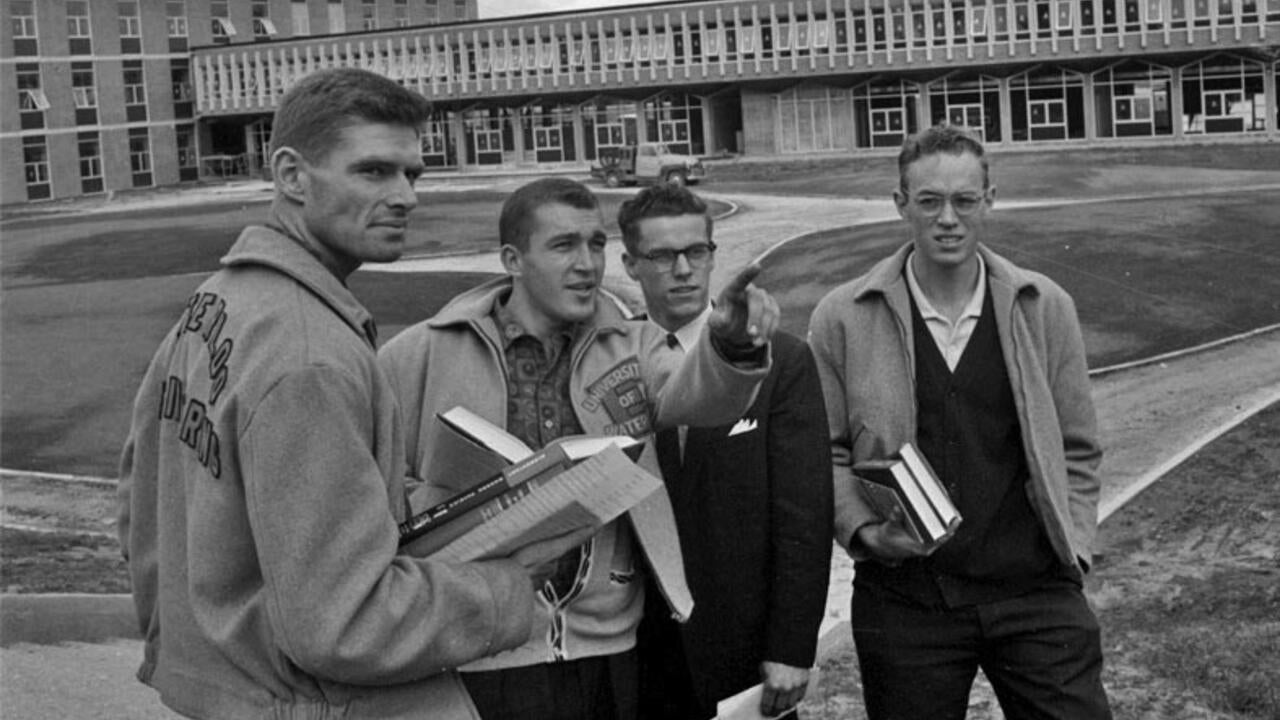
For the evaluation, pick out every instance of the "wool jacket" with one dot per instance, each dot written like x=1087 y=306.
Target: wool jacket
x=754 y=508
x=621 y=384
x=260 y=489
x=862 y=340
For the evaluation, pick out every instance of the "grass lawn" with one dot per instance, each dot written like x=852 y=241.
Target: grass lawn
x=1148 y=276
x=87 y=299
x=1019 y=174
x=161 y=242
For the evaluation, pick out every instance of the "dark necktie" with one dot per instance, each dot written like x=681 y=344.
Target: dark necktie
x=673 y=341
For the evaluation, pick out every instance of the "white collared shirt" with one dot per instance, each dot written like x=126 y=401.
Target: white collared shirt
x=686 y=336
x=951 y=338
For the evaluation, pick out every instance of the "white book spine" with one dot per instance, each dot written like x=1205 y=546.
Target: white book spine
x=930 y=485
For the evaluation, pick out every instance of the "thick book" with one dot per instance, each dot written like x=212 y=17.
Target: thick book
x=907 y=483
x=596 y=491
x=475 y=446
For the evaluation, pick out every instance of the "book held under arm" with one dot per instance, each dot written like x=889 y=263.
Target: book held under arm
x=908 y=484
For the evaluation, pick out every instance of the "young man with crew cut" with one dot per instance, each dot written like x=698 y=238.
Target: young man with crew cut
x=263 y=478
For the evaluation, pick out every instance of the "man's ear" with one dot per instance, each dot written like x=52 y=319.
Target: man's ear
x=900 y=201
x=629 y=264
x=512 y=260
x=991 y=196
x=288 y=174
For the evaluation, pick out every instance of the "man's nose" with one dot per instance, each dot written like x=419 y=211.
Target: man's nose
x=682 y=266
x=948 y=216
x=583 y=257
x=403 y=196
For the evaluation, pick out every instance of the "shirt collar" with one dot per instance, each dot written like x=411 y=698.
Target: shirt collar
x=510 y=329
x=688 y=333
x=972 y=309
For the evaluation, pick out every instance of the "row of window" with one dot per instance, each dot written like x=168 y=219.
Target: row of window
x=80 y=33
x=1134 y=100
x=33 y=102
x=35 y=160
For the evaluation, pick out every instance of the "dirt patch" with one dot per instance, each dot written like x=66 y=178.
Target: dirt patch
x=1187 y=588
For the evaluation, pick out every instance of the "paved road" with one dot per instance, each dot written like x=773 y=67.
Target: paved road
x=1152 y=415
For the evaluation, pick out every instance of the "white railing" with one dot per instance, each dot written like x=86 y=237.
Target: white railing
x=715 y=41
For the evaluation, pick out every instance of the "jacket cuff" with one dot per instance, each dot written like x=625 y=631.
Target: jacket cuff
x=513 y=603
x=748 y=355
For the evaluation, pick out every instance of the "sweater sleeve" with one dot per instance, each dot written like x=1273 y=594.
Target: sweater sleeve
x=704 y=389
x=1073 y=400
x=341 y=602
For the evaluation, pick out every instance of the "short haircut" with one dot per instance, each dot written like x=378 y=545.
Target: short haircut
x=943 y=138
x=661 y=200
x=515 y=224
x=316 y=110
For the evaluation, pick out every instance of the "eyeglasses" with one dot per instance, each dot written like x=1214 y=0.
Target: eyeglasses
x=963 y=204
x=665 y=260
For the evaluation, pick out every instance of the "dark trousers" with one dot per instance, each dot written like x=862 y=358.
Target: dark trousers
x=595 y=688
x=1042 y=652
x=666 y=678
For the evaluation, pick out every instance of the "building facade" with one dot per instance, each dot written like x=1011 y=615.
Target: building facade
x=97 y=95
x=753 y=77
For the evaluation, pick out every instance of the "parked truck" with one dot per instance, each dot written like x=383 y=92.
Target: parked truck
x=648 y=162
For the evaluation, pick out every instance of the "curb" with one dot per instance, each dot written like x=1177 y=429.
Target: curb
x=48 y=619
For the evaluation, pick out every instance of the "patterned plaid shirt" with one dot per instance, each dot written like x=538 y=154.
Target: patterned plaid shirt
x=539 y=410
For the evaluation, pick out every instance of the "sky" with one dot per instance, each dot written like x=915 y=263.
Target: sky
x=501 y=8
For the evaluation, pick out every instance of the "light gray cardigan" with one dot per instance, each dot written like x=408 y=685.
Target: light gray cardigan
x=861 y=337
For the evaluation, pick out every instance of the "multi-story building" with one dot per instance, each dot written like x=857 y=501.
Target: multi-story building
x=755 y=77
x=97 y=95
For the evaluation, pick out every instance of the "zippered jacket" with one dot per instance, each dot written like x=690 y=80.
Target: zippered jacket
x=862 y=340
x=624 y=381
x=260 y=489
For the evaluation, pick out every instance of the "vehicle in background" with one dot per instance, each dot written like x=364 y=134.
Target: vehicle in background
x=648 y=162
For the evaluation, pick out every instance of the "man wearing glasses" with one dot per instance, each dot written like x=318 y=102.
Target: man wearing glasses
x=752 y=497
x=980 y=364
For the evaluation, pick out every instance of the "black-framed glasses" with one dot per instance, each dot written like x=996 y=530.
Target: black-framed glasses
x=665 y=259
x=962 y=203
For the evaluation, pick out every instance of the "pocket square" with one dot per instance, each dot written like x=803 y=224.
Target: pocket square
x=743 y=426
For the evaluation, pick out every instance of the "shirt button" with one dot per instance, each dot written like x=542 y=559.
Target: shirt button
x=548 y=424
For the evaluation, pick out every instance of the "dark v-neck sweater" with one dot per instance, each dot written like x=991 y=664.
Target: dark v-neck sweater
x=967 y=427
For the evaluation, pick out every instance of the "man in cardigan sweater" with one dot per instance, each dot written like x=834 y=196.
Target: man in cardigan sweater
x=752 y=498
x=981 y=365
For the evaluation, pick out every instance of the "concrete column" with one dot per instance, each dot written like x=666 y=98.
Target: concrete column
x=517 y=119
x=1006 y=113
x=642 y=123
x=709 y=138
x=579 y=137
x=1269 y=93
x=1175 y=103
x=1090 y=111
x=459 y=139
x=924 y=106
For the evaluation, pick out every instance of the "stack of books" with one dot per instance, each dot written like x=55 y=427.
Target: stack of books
x=908 y=485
